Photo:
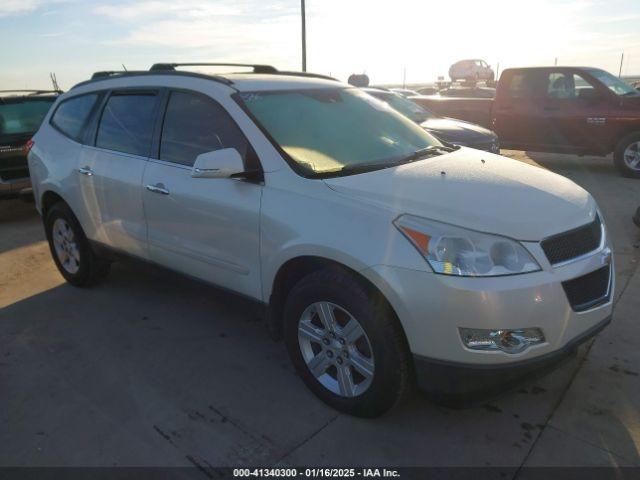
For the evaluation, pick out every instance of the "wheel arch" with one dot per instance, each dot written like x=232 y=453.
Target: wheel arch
x=48 y=199
x=296 y=268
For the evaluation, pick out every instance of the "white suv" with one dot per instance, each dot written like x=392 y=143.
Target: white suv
x=383 y=256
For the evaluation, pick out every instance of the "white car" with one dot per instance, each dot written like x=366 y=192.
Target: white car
x=471 y=70
x=383 y=256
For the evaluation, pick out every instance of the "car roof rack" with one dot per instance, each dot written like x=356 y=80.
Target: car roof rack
x=170 y=69
x=172 y=66
x=257 y=68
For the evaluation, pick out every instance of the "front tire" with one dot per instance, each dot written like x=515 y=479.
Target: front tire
x=70 y=249
x=346 y=344
x=626 y=156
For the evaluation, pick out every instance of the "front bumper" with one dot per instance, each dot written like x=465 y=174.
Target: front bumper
x=432 y=308
x=451 y=381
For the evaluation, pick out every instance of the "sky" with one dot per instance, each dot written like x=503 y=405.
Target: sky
x=383 y=39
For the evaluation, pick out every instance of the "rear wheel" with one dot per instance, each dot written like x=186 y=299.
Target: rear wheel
x=70 y=249
x=346 y=344
x=627 y=155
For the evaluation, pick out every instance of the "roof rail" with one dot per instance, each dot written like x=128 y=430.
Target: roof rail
x=31 y=92
x=172 y=66
x=114 y=73
x=105 y=75
x=268 y=69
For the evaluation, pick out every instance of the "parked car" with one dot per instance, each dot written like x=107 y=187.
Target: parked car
x=21 y=112
x=382 y=255
x=471 y=70
x=468 y=92
x=579 y=110
x=449 y=130
x=404 y=92
x=428 y=90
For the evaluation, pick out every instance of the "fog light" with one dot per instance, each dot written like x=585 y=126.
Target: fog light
x=509 y=341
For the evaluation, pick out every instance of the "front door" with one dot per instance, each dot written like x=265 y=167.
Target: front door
x=113 y=168
x=575 y=113
x=205 y=227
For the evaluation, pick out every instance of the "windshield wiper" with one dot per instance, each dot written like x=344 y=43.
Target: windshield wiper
x=368 y=167
x=426 y=152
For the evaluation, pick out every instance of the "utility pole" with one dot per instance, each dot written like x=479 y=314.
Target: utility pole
x=621 y=60
x=404 y=77
x=304 y=36
x=556 y=62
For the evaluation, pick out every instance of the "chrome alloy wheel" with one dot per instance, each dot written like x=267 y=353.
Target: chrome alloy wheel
x=632 y=156
x=336 y=349
x=65 y=246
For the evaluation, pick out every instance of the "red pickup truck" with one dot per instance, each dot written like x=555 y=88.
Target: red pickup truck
x=579 y=110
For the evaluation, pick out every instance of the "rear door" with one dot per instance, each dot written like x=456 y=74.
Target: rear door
x=517 y=114
x=113 y=166
x=205 y=227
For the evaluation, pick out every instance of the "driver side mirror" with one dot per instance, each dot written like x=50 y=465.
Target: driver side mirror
x=223 y=163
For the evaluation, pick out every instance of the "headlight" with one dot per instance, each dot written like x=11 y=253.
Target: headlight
x=454 y=250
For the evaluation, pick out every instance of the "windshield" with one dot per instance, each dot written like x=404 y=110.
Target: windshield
x=331 y=130
x=23 y=116
x=612 y=82
x=406 y=107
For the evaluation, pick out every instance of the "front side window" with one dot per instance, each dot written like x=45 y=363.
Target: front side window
x=194 y=124
x=334 y=130
x=568 y=86
x=72 y=114
x=127 y=123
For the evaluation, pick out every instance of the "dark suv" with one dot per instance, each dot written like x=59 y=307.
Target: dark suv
x=21 y=112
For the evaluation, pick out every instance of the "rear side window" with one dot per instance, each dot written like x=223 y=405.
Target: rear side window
x=126 y=124
x=71 y=115
x=194 y=124
x=521 y=86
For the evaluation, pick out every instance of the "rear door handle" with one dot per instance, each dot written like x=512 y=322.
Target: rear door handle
x=85 y=171
x=157 y=188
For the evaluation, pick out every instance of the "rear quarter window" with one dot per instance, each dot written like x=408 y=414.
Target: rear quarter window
x=71 y=115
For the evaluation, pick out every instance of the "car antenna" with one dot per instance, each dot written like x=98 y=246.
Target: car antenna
x=124 y=68
x=54 y=81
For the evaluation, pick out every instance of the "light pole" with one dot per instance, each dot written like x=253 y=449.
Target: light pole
x=304 y=37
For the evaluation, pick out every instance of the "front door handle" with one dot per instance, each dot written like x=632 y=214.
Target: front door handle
x=157 y=188
x=85 y=171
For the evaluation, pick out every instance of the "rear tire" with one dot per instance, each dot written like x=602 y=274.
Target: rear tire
x=70 y=249
x=626 y=156
x=375 y=361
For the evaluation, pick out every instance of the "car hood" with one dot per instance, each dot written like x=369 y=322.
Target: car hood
x=497 y=195
x=452 y=130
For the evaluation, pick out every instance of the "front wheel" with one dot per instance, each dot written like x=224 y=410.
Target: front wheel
x=627 y=155
x=346 y=344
